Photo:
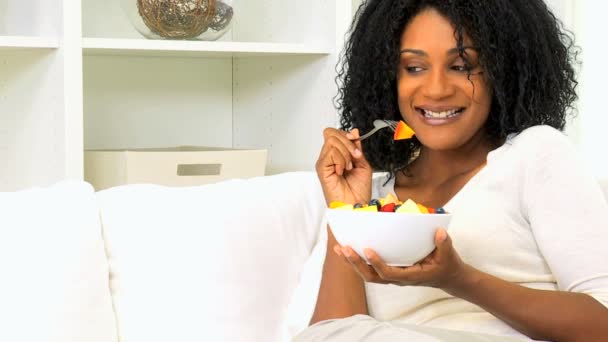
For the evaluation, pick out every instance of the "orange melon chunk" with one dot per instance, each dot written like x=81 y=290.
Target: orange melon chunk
x=403 y=131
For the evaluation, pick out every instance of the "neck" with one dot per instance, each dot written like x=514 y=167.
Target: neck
x=433 y=165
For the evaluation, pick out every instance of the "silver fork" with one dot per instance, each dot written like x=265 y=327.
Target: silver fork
x=378 y=125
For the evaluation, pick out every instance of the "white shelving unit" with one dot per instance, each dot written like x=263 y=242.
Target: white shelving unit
x=177 y=49
x=40 y=92
x=75 y=75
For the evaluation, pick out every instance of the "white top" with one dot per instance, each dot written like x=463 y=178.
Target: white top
x=531 y=216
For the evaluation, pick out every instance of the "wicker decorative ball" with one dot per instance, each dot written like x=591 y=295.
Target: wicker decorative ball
x=184 y=19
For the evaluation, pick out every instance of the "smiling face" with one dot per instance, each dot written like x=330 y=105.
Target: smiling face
x=443 y=97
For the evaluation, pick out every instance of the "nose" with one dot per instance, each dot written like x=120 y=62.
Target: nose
x=438 y=85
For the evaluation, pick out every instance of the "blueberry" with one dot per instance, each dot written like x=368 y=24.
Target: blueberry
x=439 y=211
x=358 y=205
x=376 y=203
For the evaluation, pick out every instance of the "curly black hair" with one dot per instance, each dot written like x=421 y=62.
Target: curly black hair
x=527 y=56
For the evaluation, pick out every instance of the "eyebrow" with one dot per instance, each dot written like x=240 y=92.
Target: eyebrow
x=424 y=54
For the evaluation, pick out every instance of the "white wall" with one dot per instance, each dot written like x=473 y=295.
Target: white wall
x=588 y=130
x=564 y=10
x=588 y=18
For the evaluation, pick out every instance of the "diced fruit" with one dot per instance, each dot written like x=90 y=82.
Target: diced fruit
x=345 y=207
x=388 y=208
x=389 y=204
x=390 y=198
x=409 y=207
x=422 y=209
x=375 y=202
x=336 y=204
x=403 y=131
x=370 y=208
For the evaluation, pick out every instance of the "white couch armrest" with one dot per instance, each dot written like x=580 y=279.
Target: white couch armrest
x=54 y=285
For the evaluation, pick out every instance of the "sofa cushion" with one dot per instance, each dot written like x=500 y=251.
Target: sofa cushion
x=214 y=262
x=54 y=285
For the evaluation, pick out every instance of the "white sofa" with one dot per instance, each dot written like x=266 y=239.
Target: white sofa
x=145 y=263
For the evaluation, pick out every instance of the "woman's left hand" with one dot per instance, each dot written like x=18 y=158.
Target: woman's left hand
x=443 y=268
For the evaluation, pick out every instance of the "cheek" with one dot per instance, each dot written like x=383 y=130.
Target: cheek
x=481 y=97
x=482 y=94
x=405 y=93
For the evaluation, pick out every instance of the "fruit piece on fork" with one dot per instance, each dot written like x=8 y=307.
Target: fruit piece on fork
x=403 y=131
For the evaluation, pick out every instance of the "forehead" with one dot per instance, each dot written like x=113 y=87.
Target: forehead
x=430 y=29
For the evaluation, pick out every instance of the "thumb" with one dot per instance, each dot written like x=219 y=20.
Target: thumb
x=442 y=241
x=360 y=160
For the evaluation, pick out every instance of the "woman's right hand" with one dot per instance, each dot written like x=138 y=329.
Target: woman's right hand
x=344 y=172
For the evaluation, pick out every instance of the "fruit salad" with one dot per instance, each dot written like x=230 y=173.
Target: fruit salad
x=389 y=204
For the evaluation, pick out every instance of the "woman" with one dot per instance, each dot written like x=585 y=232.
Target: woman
x=486 y=86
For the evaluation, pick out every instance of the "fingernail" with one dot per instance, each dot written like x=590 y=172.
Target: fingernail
x=337 y=250
x=443 y=235
x=368 y=253
x=349 y=135
x=350 y=165
x=357 y=153
x=346 y=252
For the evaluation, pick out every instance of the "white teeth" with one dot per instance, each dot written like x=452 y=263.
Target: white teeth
x=441 y=115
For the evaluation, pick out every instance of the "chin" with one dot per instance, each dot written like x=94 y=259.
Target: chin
x=436 y=143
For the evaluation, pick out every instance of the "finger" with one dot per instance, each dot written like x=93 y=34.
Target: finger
x=341 y=136
x=358 y=156
x=329 y=131
x=328 y=148
x=338 y=144
x=403 y=275
x=328 y=145
x=354 y=136
x=338 y=250
x=383 y=270
x=331 y=162
x=443 y=242
x=323 y=157
x=336 y=159
x=365 y=271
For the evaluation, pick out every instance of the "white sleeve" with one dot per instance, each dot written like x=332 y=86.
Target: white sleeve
x=568 y=215
x=381 y=185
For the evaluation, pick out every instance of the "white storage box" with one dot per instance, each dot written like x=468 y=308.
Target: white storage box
x=180 y=166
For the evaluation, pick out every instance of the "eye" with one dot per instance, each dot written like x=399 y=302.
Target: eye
x=413 y=69
x=461 y=68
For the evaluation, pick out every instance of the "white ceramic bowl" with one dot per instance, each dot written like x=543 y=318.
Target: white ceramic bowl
x=400 y=239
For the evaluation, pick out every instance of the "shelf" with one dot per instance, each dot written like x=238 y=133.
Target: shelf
x=172 y=48
x=24 y=42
